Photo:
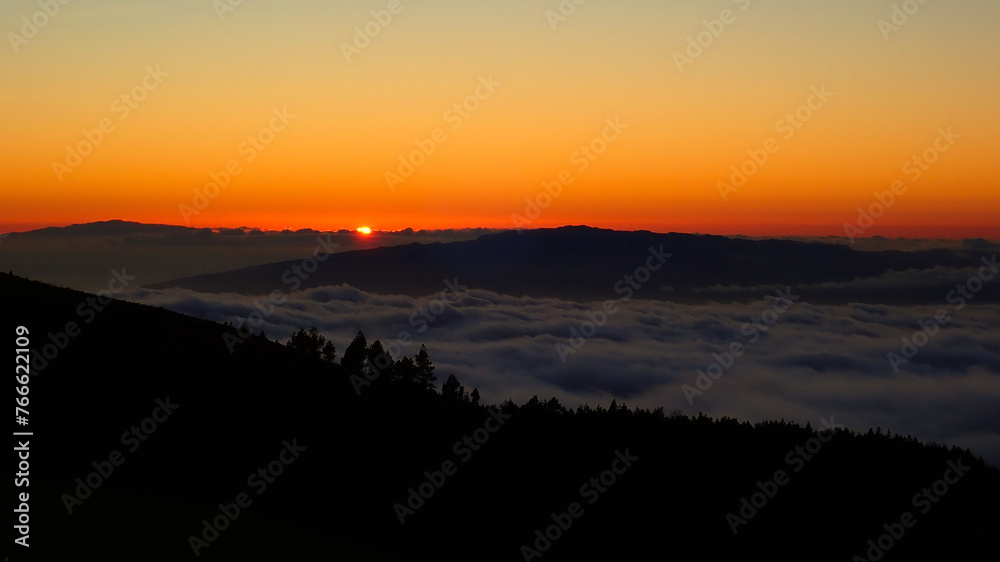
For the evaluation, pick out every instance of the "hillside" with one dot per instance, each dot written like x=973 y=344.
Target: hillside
x=345 y=460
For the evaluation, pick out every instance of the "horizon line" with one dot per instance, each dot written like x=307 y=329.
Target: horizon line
x=375 y=231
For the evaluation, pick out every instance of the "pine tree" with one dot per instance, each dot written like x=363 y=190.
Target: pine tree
x=425 y=369
x=355 y=356
x=452 y=388
x=313 y=345
x=329 y=352
x=379 y=361
x=554 y=405
x=405 y=370
x=308 y=343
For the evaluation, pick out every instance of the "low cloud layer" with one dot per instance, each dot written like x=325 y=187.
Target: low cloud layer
x=799 y=361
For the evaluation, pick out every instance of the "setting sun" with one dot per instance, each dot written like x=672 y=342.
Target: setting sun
x=364 y=230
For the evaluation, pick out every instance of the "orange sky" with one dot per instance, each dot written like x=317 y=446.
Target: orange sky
x=501 y=103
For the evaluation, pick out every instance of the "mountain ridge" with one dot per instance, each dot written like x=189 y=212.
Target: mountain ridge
x=586 y=263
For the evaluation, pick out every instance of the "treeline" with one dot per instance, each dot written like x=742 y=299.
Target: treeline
x=363 y=364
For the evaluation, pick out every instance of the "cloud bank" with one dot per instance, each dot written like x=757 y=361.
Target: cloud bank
x=798 y=361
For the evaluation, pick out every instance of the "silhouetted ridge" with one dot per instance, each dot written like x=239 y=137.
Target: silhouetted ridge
x=364 y=451
x=585 y=263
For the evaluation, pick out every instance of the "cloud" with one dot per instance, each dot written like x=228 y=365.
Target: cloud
x=813 y=361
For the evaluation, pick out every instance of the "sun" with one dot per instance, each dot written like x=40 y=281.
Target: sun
x=364 y=230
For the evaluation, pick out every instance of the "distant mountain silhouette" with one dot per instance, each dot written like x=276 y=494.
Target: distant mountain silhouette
x=106 y=228
x=583 y=263
x=240 y=412
x=81 y=256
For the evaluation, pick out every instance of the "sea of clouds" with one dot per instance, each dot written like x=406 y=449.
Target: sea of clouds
x=797 y=361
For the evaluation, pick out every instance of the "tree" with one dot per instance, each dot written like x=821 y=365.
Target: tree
x=553 y=405
x=405 y=370
x=425 y=369
x=315 y=341
x=355 y=356
x=379 y=361
x=329 y=352
x=475 y=396
x=452 y=389
x=308 y=343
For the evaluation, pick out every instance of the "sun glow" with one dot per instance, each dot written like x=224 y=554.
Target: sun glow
x=364 y=230
x=507 y=136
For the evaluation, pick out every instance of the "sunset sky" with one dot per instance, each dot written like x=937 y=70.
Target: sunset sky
x=331 y=112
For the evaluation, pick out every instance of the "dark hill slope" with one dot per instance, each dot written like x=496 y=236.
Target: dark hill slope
x=362 y=453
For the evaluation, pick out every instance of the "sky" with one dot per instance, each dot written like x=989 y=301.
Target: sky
x=754 y=117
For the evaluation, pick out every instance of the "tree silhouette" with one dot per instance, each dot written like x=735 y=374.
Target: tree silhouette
x=425 y=369
x=355 y=356
x=452 y=389
x=379 y=361
x=308 y=343
x=405 y=370
x=554 y=405
x=329 y=352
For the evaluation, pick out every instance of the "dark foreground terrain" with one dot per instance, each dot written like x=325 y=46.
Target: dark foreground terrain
x=184 y=450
